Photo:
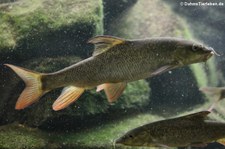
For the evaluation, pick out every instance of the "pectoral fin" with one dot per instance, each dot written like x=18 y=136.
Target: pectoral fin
x=112 y=90
x=68 y=96
x=162 y=69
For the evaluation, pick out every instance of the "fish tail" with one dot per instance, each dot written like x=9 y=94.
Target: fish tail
x=33 y=90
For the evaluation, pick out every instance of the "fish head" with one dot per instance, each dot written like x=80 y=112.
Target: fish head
x=188 y=52
x=136 y=137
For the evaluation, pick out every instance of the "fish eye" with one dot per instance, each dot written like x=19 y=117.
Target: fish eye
x=131 y=136
x=196 y=47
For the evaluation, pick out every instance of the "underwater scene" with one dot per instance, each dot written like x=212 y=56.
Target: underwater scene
x=112 y=74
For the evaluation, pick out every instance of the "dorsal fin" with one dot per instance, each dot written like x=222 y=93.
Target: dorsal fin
x=104 y=43
x=197 y=116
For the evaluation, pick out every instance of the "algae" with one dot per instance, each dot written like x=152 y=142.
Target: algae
x=30 y=25
x=102 y=136
x=16 y=136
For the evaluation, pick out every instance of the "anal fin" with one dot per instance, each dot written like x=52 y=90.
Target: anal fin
x=68 y=96
x=112 y=90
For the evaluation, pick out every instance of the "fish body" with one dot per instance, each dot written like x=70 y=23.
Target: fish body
x=189 y=130
x=129 y=61
x=115 y=62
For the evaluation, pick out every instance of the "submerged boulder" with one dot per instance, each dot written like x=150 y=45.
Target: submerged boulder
x=48 y=28
x=18 y=136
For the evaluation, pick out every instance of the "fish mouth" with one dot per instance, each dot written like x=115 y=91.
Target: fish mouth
x=210 y=53
x=119 y=141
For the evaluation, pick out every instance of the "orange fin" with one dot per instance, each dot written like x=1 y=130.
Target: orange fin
x=68 y=96
x=112 y=90
x=104 y=43
x=100 y=87
x=33 y=90
x=221 y=141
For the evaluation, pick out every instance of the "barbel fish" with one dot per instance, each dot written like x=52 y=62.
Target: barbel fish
x=114 y=63
x=191 y=130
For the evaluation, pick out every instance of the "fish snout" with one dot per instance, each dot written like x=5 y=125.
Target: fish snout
x=209 y=52
x=120 y=140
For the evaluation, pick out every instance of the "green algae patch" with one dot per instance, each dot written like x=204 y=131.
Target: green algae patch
x=15 y=136
x=31 y=18
x=103 y=136
x=18 y=136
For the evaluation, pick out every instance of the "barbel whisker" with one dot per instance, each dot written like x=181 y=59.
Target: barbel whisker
x=214 y=52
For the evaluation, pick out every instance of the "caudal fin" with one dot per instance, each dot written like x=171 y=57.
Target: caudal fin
x=33 y=90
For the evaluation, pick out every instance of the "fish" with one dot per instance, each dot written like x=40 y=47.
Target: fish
x=195 y=130
x=215 y=93
x=114 y=63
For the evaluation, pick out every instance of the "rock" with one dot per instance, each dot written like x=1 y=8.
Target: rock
x=48 y=28
x=135 y=23
x=19 y=136
x=113 y=9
